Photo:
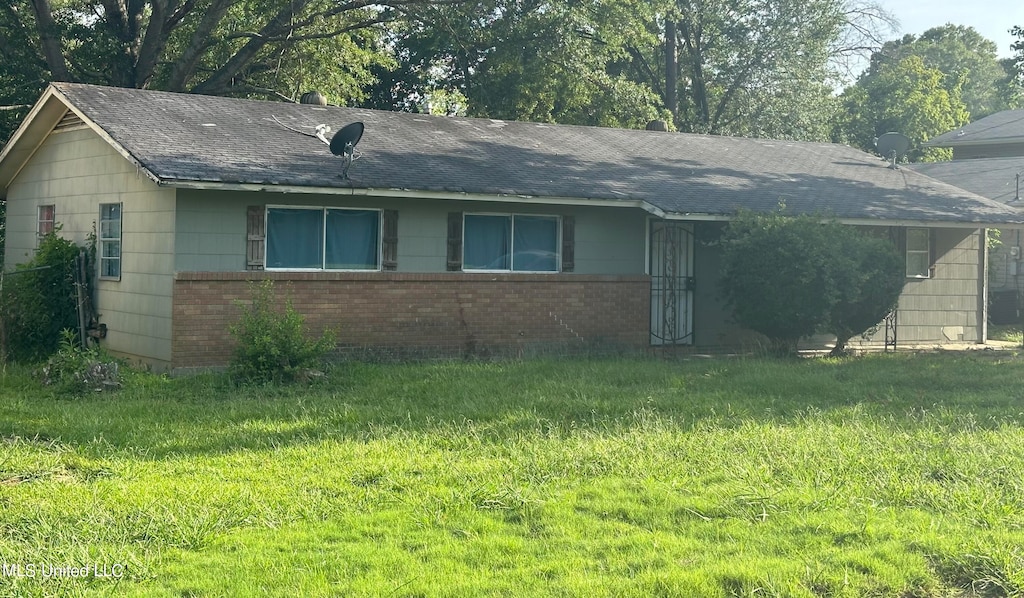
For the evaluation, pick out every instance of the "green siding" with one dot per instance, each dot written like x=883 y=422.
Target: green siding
x=211 y=233
x=76 y=171
x=943 y=309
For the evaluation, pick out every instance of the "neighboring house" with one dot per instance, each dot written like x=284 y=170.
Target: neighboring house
x=988 y=159
x=452 y=236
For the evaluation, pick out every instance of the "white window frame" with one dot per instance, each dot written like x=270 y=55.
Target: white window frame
x=512 y=250
x=40 y=221
x=323 y=238
x=927 y=251
x=103 y=241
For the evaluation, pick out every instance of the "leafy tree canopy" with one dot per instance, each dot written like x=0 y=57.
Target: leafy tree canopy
x=967 y=60
x=738 y=67
x=904 y=96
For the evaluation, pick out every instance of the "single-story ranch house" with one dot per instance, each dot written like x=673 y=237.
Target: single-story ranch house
x=450 y=236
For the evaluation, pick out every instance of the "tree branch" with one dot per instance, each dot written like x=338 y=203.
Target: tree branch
x=49 y=37
x=185 y=66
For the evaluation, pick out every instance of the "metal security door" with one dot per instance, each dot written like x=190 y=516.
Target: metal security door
x=671 y=269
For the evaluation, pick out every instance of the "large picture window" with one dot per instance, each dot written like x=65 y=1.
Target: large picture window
x=918 y=253
x=110 y=241
x=323 y=239
x=517 y=243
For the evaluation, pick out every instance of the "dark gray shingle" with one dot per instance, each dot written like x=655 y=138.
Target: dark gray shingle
x=1006 y=126
x=196 y=138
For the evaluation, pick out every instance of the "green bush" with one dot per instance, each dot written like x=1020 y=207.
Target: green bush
x=791 y=277
x=36 y=305
x=273 y=344
x=869 y=276
x=73 y=370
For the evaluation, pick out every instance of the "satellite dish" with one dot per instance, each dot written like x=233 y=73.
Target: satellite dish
x=345 y=140
x=344 y=144
x=893 y=146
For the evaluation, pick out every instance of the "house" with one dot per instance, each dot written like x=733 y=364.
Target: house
x=450 y=236
x=988 y=160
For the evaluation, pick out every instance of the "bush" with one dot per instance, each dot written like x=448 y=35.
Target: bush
x=790 y=277
x=73 y=370
x=273 y=343
x=37 y=305
x=868 y=286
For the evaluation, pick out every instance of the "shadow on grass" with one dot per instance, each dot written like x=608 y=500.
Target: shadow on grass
x=158 y=417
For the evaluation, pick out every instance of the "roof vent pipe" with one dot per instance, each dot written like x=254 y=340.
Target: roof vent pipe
x=657 y=125
x=313 y=97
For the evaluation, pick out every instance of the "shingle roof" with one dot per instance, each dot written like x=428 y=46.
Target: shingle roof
x=1002 y=127
x=994 y=178
x=190 y=138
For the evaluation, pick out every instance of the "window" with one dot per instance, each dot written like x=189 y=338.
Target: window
x=510 y=242
x=110 y=240
x=918 y=253
x=46 y=219
x=323 y=239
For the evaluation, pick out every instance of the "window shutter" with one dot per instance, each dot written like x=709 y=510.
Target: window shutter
x=389 y=247
x=256 y=238
x=568 y=243
x=454 y=241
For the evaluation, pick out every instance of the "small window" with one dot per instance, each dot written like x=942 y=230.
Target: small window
x=918 y=253
x=323 y=239
x=110 y=241
x=517 y=243
x=46 y=220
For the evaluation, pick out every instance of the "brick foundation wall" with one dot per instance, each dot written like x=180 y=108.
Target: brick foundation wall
x=451 y=314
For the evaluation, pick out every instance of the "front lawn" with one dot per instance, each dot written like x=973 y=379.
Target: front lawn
x=879 y=476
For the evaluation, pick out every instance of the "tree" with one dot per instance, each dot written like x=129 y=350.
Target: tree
x=790 y=277
x=1017 y=62
x=904 y=96
x=967 y=60
x=737 y=67
x=520 y=60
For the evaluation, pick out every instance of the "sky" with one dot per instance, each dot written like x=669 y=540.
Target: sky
x=991 y=18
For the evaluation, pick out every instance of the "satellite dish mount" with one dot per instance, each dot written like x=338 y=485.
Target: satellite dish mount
x=344 y=144
x=892 y=147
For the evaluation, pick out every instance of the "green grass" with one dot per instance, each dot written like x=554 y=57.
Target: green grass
x=879 y=476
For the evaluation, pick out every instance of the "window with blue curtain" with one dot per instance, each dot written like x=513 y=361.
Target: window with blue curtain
x=515 y=242
x=295 y=238
x=535 y=244
x=352 y=240
x=487 y=242
x=323 y=238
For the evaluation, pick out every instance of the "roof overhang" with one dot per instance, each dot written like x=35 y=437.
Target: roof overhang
x=544 y=200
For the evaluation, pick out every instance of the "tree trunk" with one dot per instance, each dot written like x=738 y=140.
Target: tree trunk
x=49 y=37
x=186 y=64
x=671 y=70
x=220 y=81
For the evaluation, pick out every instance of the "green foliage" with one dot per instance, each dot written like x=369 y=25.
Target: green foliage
x=74 y=371
x=37 y=304
x=1017 y=62
x=905 y=96
x=272 y=343
x=869 y=280
x=790 y=277
x=968 y=62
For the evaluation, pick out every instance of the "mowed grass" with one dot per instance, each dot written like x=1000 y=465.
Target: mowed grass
x=877 y=476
